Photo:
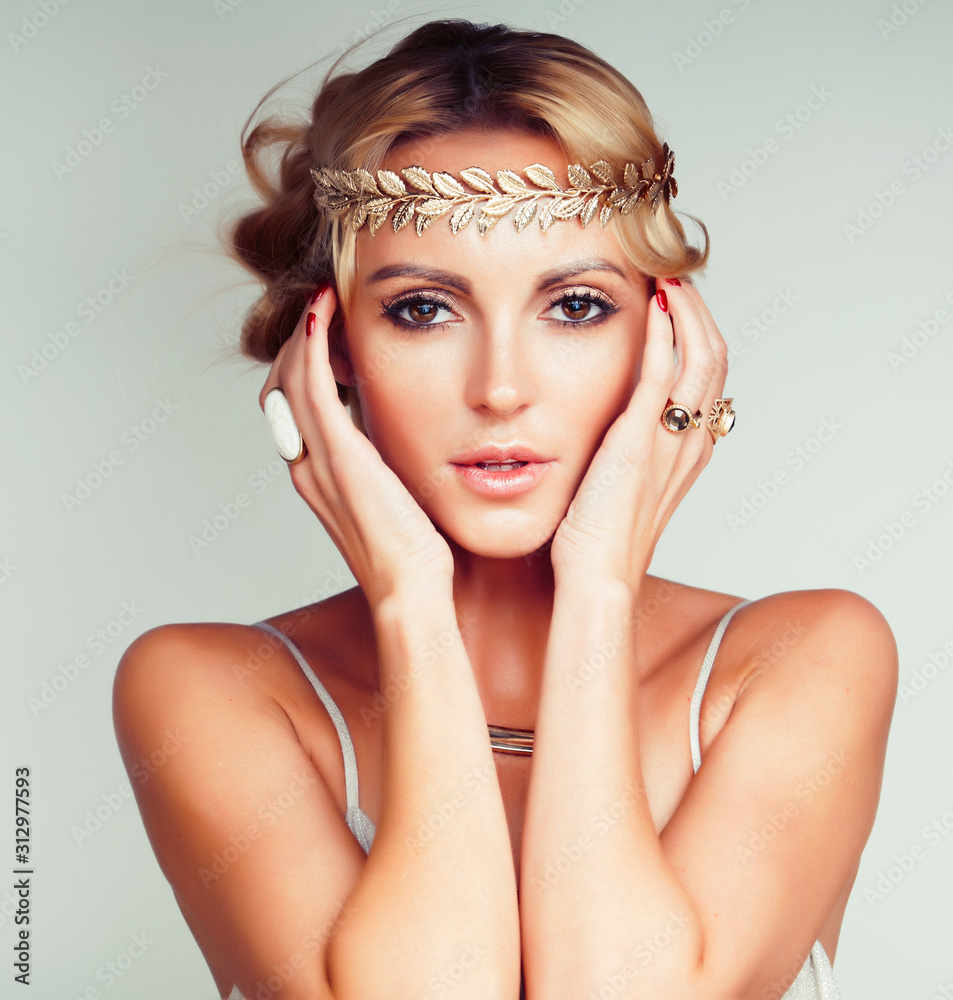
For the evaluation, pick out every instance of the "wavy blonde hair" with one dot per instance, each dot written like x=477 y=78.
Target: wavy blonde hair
x=446 y=76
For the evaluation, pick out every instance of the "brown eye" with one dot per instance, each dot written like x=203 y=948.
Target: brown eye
x=576 y=308
x=422 y=312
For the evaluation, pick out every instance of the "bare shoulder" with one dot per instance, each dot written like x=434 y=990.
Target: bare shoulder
x=830 y=636
x=228 y=794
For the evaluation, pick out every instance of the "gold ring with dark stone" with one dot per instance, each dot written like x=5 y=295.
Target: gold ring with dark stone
x=721 y=419
x=677 y=417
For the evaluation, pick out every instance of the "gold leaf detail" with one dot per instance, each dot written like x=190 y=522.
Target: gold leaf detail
x=424 y=222
x=511 y=182
x=631 y=175
x=419 y=178
x=603 y=171
x=630 y=203
x=360 y=216
x=462 y=216
x=498 y=206
x=606 y=213
x=486 y=222
x=377 y=220
x=546 y=217
x=542 y=177
x=448 y=185
x=434 y=207
x=579 y=177
x=590 y=210
x=479 y=180
x=403 y=215
x=569 y=207
x=321 y=178
x=525 y=215
x=390 y=183
x=366 y=181
x=377 y=205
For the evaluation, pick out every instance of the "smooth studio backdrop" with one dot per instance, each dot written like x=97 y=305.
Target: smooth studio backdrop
x=814 y=139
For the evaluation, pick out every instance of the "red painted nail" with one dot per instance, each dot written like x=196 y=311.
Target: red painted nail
x=309 y=329
x=662 y=299
x=673 y=281
x=318 y=292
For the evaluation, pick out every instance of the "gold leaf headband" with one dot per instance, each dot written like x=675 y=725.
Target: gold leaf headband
x=356 y=197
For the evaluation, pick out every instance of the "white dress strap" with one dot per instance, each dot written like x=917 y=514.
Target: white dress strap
x=703 y=675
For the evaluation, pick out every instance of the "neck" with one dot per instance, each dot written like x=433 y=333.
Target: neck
x=504 y=607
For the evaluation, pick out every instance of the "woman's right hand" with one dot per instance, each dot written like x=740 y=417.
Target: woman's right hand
x=384 y=536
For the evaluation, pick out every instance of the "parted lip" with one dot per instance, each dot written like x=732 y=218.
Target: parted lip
x=515 y=451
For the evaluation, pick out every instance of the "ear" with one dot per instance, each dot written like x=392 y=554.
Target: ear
x=338 y=354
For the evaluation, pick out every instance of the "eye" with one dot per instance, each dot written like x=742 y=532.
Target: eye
x=419 y=310
x=580 y=307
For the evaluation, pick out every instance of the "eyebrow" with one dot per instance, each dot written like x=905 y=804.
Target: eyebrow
x=440 y=277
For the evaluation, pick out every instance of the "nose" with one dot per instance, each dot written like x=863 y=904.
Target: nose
x=501 y=378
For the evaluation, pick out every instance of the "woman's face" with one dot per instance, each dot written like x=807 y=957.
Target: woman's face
x=530 y=341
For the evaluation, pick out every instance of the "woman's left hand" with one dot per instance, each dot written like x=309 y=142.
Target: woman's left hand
x=641 y=470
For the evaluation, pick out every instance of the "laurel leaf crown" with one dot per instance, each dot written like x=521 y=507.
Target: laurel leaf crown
x=357 y=197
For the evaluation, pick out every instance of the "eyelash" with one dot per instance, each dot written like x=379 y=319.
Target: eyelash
x=392 y=310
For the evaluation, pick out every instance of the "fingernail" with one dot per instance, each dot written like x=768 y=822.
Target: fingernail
x=318 y=292
x=673 y=281
x=662 y=299
x=309 y=328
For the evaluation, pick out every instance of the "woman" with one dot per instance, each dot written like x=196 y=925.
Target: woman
x=528 y=432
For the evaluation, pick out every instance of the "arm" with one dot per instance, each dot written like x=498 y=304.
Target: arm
x=694 y=911
x=677 y=914
x=287 y=892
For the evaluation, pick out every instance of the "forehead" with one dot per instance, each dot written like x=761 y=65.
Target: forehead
x=503 y=250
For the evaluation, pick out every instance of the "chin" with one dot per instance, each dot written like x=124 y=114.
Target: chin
x=502 y=534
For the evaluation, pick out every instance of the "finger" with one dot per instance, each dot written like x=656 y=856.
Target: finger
x=719 y=348
x=698 y=366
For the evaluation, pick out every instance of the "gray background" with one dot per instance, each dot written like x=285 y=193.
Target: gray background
x=852 y=300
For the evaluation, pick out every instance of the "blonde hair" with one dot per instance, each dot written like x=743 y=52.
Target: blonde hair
x=446 y=76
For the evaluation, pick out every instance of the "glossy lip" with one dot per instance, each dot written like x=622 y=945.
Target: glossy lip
x=501 y=484
x=515 y=451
